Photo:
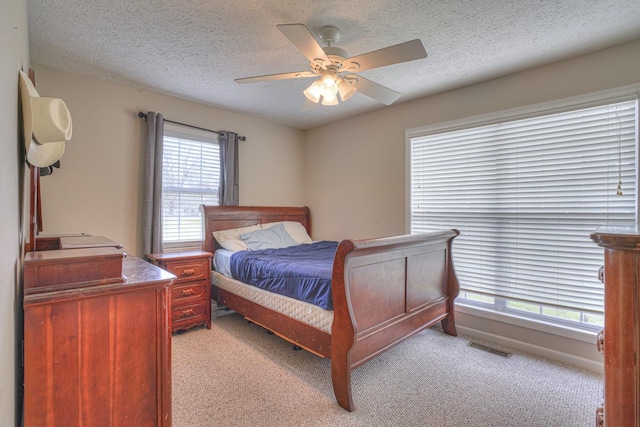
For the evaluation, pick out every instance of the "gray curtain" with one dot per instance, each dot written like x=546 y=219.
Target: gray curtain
x=229 y=190
x=152 y=210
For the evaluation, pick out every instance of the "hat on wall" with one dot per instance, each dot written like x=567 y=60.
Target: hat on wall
x=46 y=124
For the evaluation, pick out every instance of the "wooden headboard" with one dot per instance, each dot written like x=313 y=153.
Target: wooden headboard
x=215 y=218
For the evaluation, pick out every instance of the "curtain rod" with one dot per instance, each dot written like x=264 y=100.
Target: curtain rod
x=144 y=116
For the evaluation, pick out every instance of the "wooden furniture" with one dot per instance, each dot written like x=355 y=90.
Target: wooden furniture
x=74 y=241
x=384 y=291
x=191 y=291
x=98 y=354
x=87 y=241
x=56 y=270
x=620 y=339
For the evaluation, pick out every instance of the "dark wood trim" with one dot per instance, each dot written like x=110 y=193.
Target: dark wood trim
x=35 y=199
x=34 y=206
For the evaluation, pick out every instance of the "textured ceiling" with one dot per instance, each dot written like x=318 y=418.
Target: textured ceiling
x=194 y=49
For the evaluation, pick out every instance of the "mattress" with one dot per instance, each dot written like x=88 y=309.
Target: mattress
x=304 y=312
x=302 y=272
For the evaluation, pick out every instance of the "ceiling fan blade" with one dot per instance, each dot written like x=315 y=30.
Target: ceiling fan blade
x=300 y=36
x=403 y=52
x=374 y=90
x=282 y=76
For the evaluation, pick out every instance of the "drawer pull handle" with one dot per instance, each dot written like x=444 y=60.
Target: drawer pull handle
x=600 y=415
x=186 y=313
x=600 y=341
x=188 y=272
x=187 y=292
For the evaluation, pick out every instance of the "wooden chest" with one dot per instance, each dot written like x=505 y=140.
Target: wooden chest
x=55 y=270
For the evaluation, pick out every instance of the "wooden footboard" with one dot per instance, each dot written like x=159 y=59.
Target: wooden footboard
x=384 y=291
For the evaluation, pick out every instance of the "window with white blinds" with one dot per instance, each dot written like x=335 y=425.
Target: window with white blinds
x=190 y=177
x=526 y=195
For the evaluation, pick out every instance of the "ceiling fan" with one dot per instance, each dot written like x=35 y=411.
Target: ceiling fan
x=335 y=69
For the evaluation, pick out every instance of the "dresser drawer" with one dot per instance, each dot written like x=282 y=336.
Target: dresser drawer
x=189 y=270
x=188 y=312
x=191 y=291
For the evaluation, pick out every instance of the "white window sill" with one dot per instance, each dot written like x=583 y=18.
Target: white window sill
x=182 y=246
x=524 y=322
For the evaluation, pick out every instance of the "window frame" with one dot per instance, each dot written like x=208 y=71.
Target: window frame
x=183 y=131
x=557 y=106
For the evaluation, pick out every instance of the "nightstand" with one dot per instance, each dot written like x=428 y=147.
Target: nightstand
x=191 y=291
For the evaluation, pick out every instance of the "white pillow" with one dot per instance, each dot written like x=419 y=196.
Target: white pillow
x=271 y=238
x=294 y=228
x=230 y=239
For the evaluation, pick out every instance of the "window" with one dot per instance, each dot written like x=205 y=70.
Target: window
x=526 y=193
x=190 y=177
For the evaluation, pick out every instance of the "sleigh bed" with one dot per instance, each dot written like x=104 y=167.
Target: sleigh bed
x=383 y=291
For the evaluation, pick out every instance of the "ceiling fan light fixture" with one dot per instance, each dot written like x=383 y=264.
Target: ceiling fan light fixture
x=329 y=82
x=330 y=97
x=330 y=89
x=346 y=89
x=324 y=90
x=314 y=91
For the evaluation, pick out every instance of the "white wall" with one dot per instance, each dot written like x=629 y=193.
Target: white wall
x=356 y=168
x=97 y=189
x=14 y=55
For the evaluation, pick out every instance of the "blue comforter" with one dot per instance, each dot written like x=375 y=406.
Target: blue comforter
x=302 y=272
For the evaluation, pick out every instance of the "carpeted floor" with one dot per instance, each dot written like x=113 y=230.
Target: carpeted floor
x=236 y=374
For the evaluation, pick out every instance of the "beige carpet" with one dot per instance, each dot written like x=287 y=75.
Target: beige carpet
x=236 y=374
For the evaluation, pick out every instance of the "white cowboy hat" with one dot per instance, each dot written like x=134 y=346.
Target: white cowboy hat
x=46 y=124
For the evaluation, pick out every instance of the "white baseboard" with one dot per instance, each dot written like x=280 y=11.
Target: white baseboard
x=526 y=347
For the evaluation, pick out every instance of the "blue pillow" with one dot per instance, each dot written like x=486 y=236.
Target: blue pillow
x=270 y=238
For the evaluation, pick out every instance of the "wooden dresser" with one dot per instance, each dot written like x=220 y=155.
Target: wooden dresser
x=191 y=291
x=97 y=353
x=620 y=339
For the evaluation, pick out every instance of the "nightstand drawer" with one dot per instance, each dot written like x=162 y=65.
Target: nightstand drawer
x=190 y=291
x=188 y=270
x=188 y=312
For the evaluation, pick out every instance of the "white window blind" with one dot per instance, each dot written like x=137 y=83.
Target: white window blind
x=190 y=177
x=526 y=195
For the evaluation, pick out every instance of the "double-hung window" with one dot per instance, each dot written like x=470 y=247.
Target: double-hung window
x=526 y=192
x=190 y=177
